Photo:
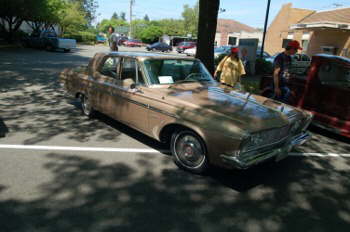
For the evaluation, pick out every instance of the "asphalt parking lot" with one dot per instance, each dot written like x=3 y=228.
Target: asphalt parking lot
x=60 y=171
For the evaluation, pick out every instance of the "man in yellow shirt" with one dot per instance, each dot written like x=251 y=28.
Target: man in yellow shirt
x=231 y=68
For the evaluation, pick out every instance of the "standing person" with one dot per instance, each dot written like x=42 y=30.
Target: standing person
x=112 y=39
x=281 y=66
x=231 y=68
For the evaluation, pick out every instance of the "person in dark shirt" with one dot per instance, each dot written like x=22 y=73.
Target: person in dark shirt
x=281 y=73
x=112 y=39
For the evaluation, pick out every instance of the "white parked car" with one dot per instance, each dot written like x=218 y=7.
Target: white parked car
x=191 y=51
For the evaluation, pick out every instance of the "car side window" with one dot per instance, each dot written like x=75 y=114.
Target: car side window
x=334 y=74
x=110 y=67
x=131 y=73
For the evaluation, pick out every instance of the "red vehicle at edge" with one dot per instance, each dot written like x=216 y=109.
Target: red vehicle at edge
x=181 y=47
x=325 y=92
x=133 y=43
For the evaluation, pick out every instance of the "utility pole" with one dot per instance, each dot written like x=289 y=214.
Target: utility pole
x=265 y=27
x=132 y=2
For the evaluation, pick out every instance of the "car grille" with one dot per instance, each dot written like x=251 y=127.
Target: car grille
x=268 y=137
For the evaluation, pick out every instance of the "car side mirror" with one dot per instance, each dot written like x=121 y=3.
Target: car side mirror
x=133 y=86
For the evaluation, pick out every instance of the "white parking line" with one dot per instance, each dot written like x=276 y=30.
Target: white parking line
x=320 y=154
x=135 y=150
x=63 y=148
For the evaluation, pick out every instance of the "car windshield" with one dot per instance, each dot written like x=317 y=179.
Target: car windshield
x=222 y=49
x=172 y=71
x=219 y=49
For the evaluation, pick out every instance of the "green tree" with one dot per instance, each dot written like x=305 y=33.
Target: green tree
x=89 y=8
x=146 y=18
x=45 y=14
x=14 y=12
x=123 y=16
x=208 y=16
x=190 y=17
x=105 y=23
x=151 y=34
x=72 y=19
x=115 y=16
x=173 y=27
x=138 y=26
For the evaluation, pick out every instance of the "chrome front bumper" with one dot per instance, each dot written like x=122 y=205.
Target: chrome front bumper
x=244 y=161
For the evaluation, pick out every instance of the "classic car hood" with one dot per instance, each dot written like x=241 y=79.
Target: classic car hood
x=249 y=112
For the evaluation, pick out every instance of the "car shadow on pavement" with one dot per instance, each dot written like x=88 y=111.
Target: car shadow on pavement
x=3 y=128
x=35 y=105
x=330 y=135
x=86 y=194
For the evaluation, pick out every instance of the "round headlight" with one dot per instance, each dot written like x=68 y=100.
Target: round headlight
x=296 y=126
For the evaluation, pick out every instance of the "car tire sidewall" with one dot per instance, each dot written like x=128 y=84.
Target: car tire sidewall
x=49 y=48
x=89 y=113
x=200 y=169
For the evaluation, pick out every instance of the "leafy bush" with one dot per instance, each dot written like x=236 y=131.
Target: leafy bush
x=83 y=36
x=151 y=34
x=263 y=67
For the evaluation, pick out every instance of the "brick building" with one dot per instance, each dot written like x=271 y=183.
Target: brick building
x=229 y=31
x=318 y=32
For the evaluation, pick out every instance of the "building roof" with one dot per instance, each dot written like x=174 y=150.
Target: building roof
x=231 y=26
x=338 y=15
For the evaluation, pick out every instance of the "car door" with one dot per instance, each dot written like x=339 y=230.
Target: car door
x=104 y=94
x=135 y=105
x=335 y=90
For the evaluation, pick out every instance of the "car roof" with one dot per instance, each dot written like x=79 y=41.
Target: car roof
x=149 y=55
x=344 y=59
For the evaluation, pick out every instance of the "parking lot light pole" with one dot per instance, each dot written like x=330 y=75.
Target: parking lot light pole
x=265 y=27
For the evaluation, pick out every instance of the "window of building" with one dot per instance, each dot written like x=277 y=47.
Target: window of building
x=306 y=36
x=290 y=35
x=232 y=40
x=305 y=45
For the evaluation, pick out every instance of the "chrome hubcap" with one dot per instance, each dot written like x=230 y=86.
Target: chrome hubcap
x=86 y=105
x=189 y=151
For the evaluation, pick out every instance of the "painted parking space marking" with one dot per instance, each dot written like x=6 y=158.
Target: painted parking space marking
x=91 y=149
x=137 y=150
x=319 y=154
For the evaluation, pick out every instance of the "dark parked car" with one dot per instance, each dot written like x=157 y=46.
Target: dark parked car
x=181 y=47
x=48 y=40
x=264 y=56
x=325 y=91
x=159 y=46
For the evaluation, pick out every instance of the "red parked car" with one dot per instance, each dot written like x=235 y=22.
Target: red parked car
x=133 y=43
x=324 y=91
x=181 y=47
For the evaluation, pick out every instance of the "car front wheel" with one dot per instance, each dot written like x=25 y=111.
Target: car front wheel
x=86 y=107
x=189 y=151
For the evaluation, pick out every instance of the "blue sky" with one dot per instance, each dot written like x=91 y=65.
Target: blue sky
x=250 y=12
